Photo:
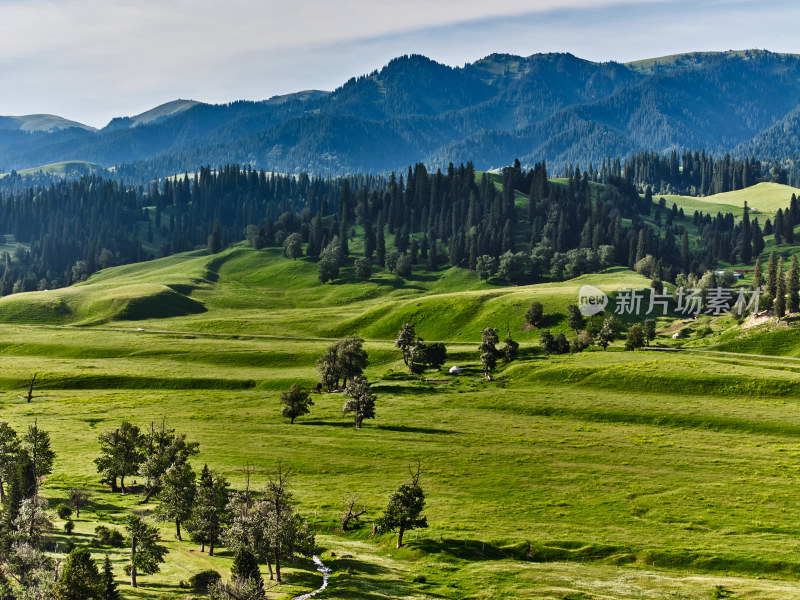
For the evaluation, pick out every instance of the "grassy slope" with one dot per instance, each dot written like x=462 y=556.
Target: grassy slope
x=766 y=197
x=63 y=168
x=607 y=458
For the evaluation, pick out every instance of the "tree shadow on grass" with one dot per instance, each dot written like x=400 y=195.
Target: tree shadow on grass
x=406 y=429
x=349 y=424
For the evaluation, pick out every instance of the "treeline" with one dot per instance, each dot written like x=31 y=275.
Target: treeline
x=690 y=173
x=524 y=230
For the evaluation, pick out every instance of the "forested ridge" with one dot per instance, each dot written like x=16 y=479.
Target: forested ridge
x=552 y=107
x=519 y=224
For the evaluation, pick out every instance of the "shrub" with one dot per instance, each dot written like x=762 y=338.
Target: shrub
x=109 y=537
x=64 y=512
x=69 y=526
x=200 y=582
x=420 y=579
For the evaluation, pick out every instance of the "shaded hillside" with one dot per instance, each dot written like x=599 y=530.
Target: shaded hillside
x=553 y=107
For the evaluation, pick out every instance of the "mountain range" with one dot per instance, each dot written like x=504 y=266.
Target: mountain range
x=553 y=107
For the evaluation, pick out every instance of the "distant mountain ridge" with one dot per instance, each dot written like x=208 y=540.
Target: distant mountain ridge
x=553 y=107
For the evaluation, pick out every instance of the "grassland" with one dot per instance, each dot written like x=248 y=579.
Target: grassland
x=765 y=197
x=601 y=475
x=71 y=167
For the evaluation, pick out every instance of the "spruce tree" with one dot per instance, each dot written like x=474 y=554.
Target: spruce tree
x=772 y=282
x=210 y=513
x=793 y=287
x=79 y=578
x=758 y=276
x=747 y=247
x=780 y=292
x=245 y=566
x=109 y=586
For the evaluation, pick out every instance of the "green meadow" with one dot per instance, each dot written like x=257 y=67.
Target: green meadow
x=608 y=474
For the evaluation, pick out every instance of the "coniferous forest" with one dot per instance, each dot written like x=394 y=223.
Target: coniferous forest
x=519 y=224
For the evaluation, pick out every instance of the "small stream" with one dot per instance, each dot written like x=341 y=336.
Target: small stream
x=326 y=575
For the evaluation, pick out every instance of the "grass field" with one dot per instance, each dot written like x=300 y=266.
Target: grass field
x=765 y=197
x=600 y=475
x=70 y=167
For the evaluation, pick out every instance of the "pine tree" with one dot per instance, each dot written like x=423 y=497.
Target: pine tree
x=780 y=292
x=793 y=287
x=210 y=513
x=245 y=566
x=772 y=282
x=747 y=248
x=79 y=578
x=380 y=247
x=488 y=349
x=109 y=586
x=758 y=276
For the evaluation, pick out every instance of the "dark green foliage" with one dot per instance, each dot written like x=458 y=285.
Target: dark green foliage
x=79 y=578
x=296 y=402
x=121 y=454
x=109 y=586
x=649 y=330
x=202 y=581
x=575 y=319
x=360 y=400
x=404 y=511
x=293 y=246
x=363 y=268
x=245 y=566
x=69 y=527
x=108 y=537
x=635 y=338
x=210 y=513
x=177 y=495
x=341 y=362
x=488 y=350
x=534 y=314
x=793 y=287
x=780 y=291
x=64 y=512
x=146 y=553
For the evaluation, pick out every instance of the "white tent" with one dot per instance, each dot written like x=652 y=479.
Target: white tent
x=454 y=370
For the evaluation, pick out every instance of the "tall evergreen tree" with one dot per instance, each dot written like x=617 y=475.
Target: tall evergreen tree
x=109 y=585
x=772 y=270
x=780 y=291
x=747 y=248
x=793 y=287
x=210 y=513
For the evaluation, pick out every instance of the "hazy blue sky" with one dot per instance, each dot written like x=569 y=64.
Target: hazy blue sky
x=91 y=60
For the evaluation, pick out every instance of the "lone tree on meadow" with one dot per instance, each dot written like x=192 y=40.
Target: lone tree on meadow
x=146 y=553
x=534 y=314
x=341 y=362
x=296 y=402
x=78 y=499
x=360 y=401
x=488 y=348
x=404 y=511
x=406 y=340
